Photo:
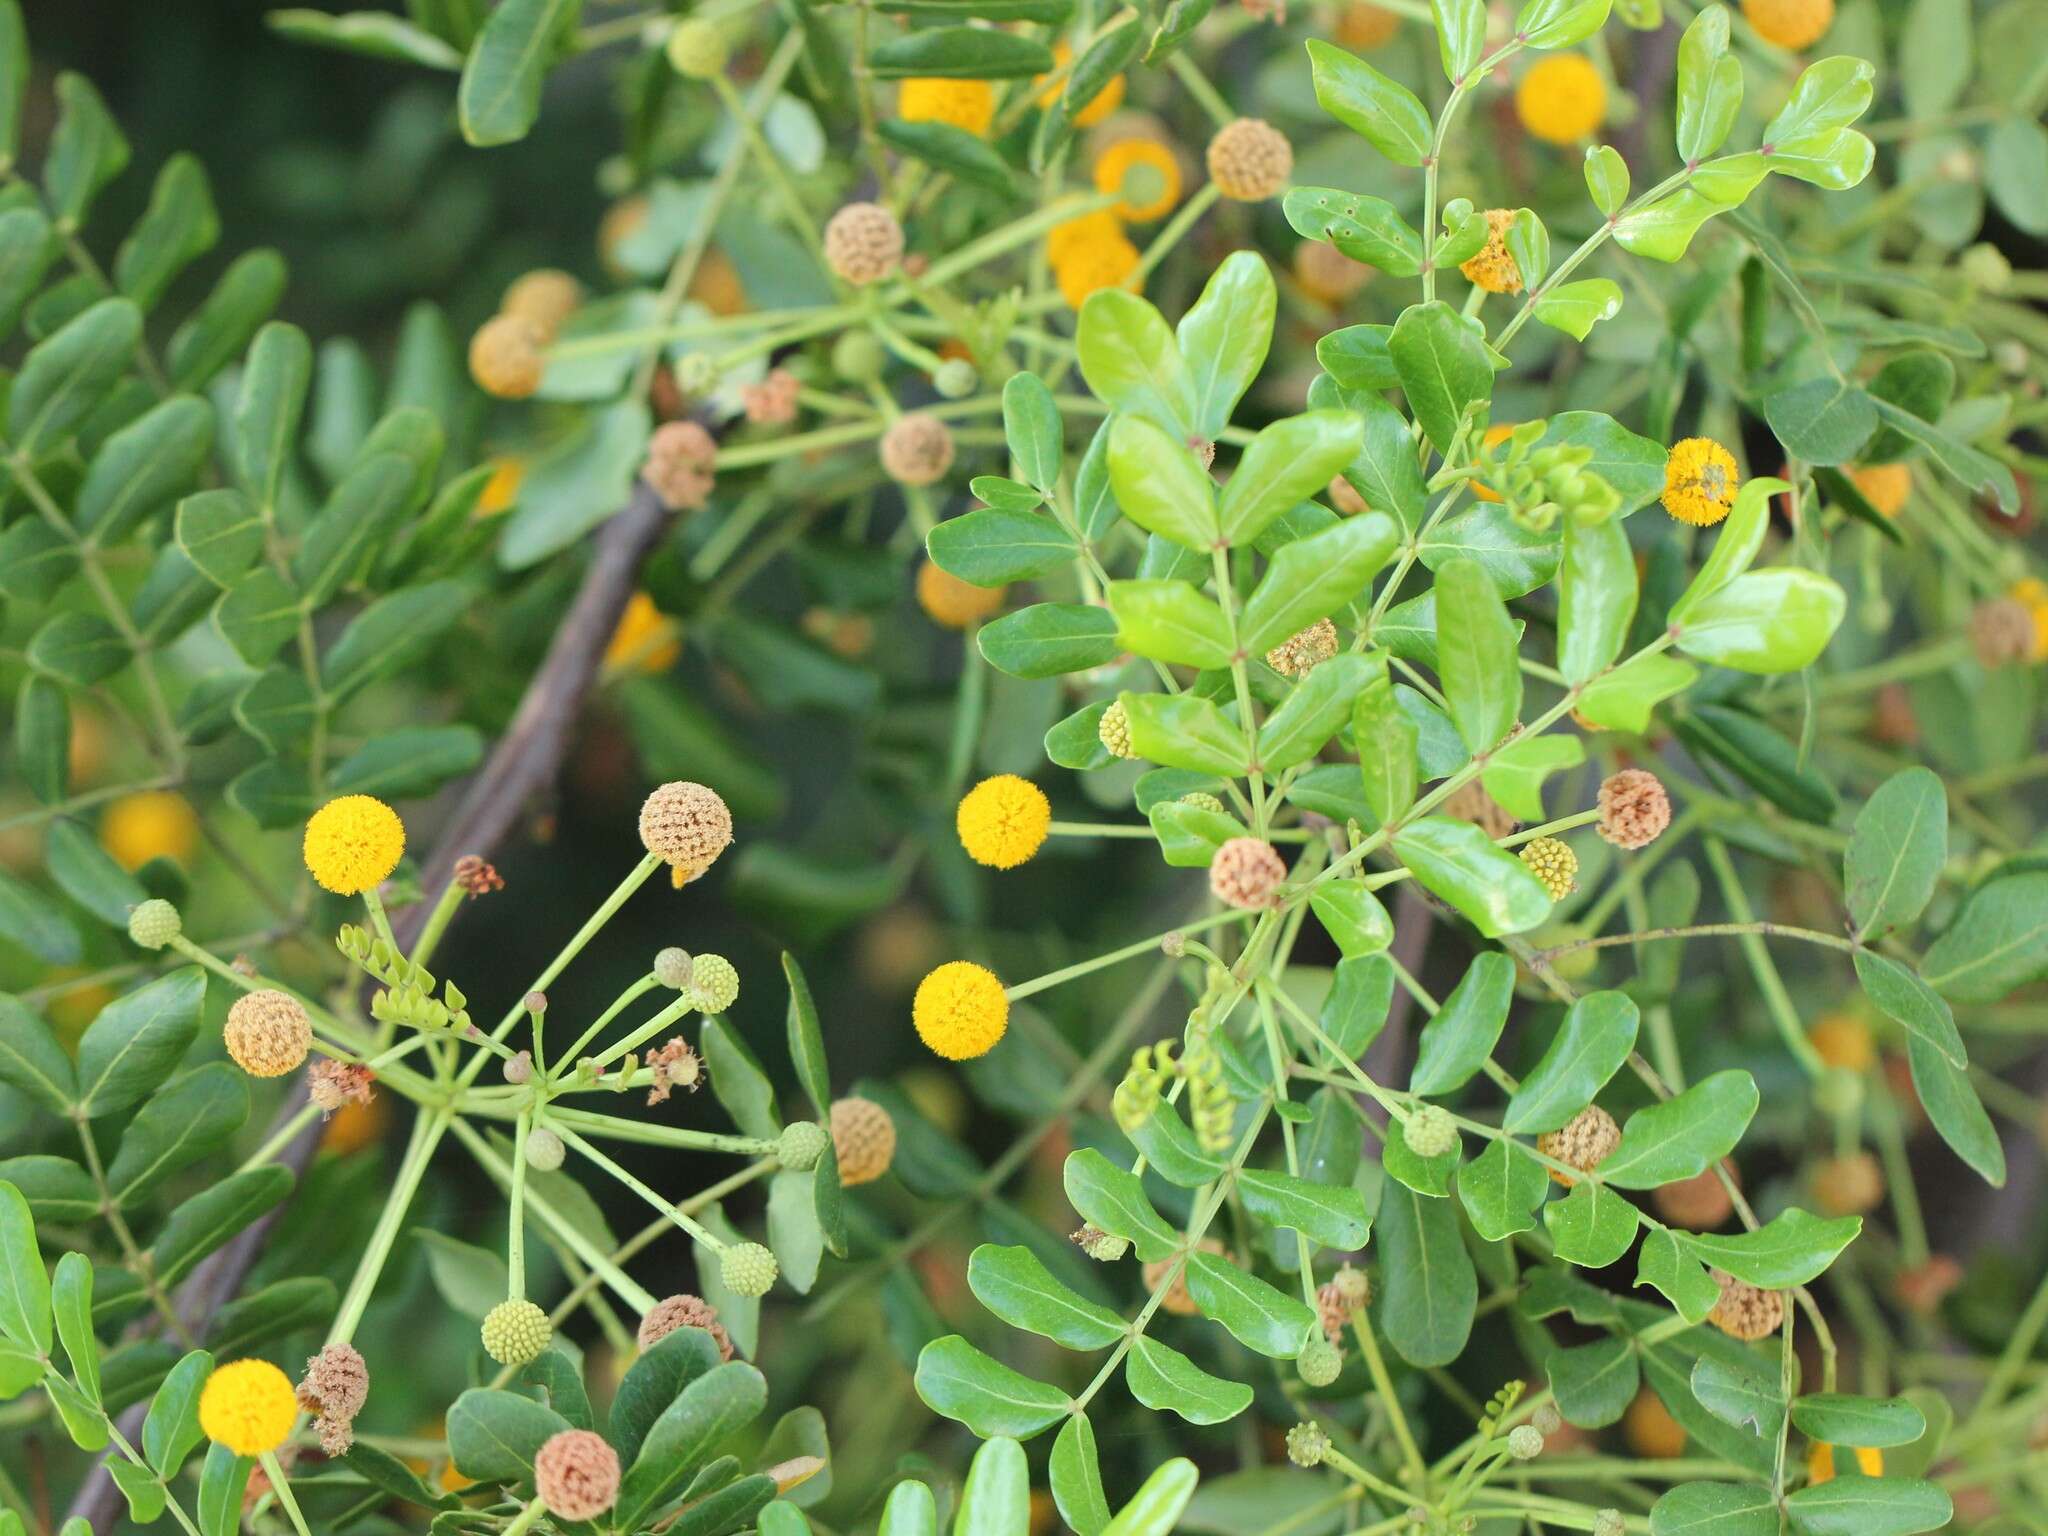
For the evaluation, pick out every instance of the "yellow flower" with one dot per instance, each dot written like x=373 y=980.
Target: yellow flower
x=1115 y=164
x=2032 y=594
x=1700 y=482
x=1820 y=1462
x=501 y=491
x=353 y=844
x=1793 y=24
x=1553 y=863
x=248 y=1407
x=969 y=105
x=1106 y=100
x=1493 y=267
x=1002 y=821
x=1884 y=486
x=1063 y=239
x=1561 y=99
x=1843 y=1040
x=951 y=602
x=153 y=824
x=960 y=1010
x=1109 y=261
x=645 y=640
x=1363 y=26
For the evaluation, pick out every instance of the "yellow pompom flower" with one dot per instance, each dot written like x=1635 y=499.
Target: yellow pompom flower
x=1884 y=486
x=153 y=824
x=1493 y=267
x=1115 y=164
x=1700 y=481
x=969 y=105
x=248 y=1406
x=1553 y=863
x=953 y=603
x=353 y=844
x=1105 y=101
x=1063 y=239
x=1003 y=821
x=1107 y=261
x=645 y=640
x=1562 y=98
x=960 y=1010
x=1820 y=1461
x=1843 y=1041
x=1363 y=26
x=1793 y=24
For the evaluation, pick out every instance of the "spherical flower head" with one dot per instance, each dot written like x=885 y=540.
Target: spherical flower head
x=150 y=824
x=773 y=401
x=1305 y=650
x=353 y=843
x=1113 y=730
x=714 y=984
x=697 y=373
x=1246 y=873
x=515 y=1332
x=1250 y=160
x=2002 y=632
x=955 y=378
x=746 y=1269
x=969 y=105
x=952 y=603
x=859 y=357
x=1525 y=1442
x=917 y=449
x=1698 y=1204
x=267 y=1033
x=1561 y=99
x=336 y=1383
x=1634 y=809
x=1922 y=1288
x=1071 y=235
x=1003 y=821
x=681 y=456
x=1848 y=1186
x=519 y=1070
x=672 y=967
x=1583 y=1142
x=546 y=297
x=863 y=244
x=576 y=1474
x=1885 y=486
x=696 y=49
x=1650 y=1430
x=1553 y=863
x=673 y=1312
x=1493 y=266
x=1746 y=1311
x=544 y=1149
x=154 y=923
x=504 y=357
x=247 y=1406
x=1108 y=260
x=1145 y=173
x=1430 y=1131
x=1327 y=274
x=1306 y=1444
x=1700 y=481
x=863 y=1140
x=686 y=825
x=1363 y=26
x=1320 y=1362
x=1793 y=24
x=1098 y=106
x=960 y=1010
x=802 y=1144
x=1353 y=1286
x=1202 y=800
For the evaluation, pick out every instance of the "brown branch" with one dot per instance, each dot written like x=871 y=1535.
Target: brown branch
x=522 y=765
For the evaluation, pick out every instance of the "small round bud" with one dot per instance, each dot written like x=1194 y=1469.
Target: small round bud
x=535 y=1002
x=1838 y=1093
x=1583 y=1142
x=1554 y=865
x=955 y=378
x=504 y=357
x=858 y=357
x=696 y=49
x=515 y=1332
x=1525 y=1442
x=1113 y=730
x=1547 y=1419
x=1250 y=160
x=154 y=923
x=681 y=465
x=696 y=373
x=1319 y=1362
x=1307 y=1444
x=1246 y=873
x=746 y=1269
x=1430 y=1131
x=1634 y=809
x=917 y=449
x=863 y=243
x=1173 y=945
x=576 y=1474
x=547 y=297
x=672 y=967
x=519 y=1070
x=714 y=984
x=863 y=1140
x=544 y=1149
x=800 y=1146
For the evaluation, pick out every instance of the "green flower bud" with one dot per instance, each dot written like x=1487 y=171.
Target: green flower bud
x=154 y=923
x=714 y=984
x=747 y=1269
x=1319 y=1362
x=955 y=378
x=800 y=1146
x=515 y=1332
x=1430 y=1131
x=696 y=49
x=859 y=357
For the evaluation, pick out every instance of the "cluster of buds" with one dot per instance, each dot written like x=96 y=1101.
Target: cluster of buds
x=408 y=995
x=1539 y=484
x=1211 y=1108
x=1144 y=1085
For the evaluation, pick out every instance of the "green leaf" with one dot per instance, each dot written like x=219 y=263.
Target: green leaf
x=144 y=465
x=171 y=1429
x=66 y=376
x=373 y=34
x=87 y=151
x=1457 y=1041
x=213 y=1217
x=738 y=1082
x=1286 y=464
x=1355 y=919
x=14 y=90
x=240 y=302
x=1356 y=358
x=1666 y=1263
x=1171 y=1148
x=1075 y=1474
x=385 y=1472
x=911 y=1511
x=1911 y=1003
x=1383 y=111
x=1715 y=1509
x=24 y=1283
x=1594 y=1383
x=78 y=648
x=178 y=228
x=1460 y=863
x=1830 y=93
x=1431 y=1287
x=950 y=149
x=408 y=762
x=1460 y=35
x=1559 y=23
x=1333 y=1216
x=1132 y=362
x=1113 y=1199
x=197 y=1113
x=1445 y=367
x=30 y=1057
x=1156 y=1508
x=1514 y=775
x=1661 y=231
x=1766 y=621
x=995 y=1499
x=223 y=1477
x=1159 y=485
x=1314 y=710
x=1682 y=1137
x=1367 y=229
x=1996 y=943
x=1592 y=1226
x=653 y=1382
x=1739 y=1391
x=709 y=1410
x=1575 y=308
x=1501 y=1188
x=1735 y=546
x=1598 y=1032
x=351 y=528
x=71 y=1304
x=1709 y=86
x=1048 y=639
x=499 y=97
x=1790 y=1249
x=1182 y=731
x=1224 y=337
x=258 y=615
x=1606 y=178
x=221 y=534
x=1759 y=756
x=1256 y=1314
x=1824 y=420
x=1015 y=1285
x=86 y=1426
x=1975 y=471
x=493 y=1436
x=1031 y=427
x=268 y=409
x=1869 y=1506
x=282 y=1307
x=1386 y=740
x=1476 y=643
x=1162 y=1378
x=136 y=1042
x=2016 y=173
x=1170 y=621
x=971 y=53
x=58 y=1191
x=959 y=1382
x=1841 y=1418
x=28 y=247
x=1312 y=578
x=1955 y=1110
